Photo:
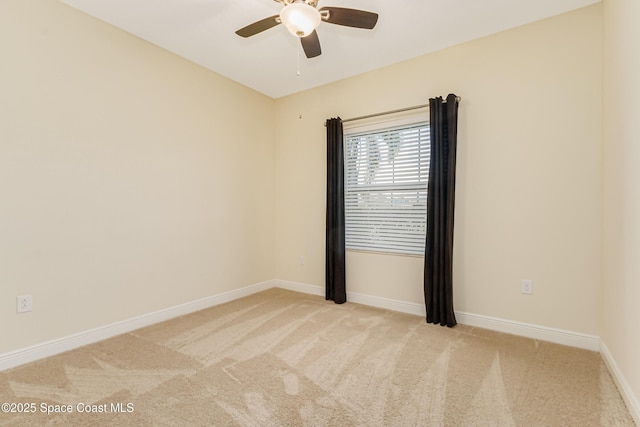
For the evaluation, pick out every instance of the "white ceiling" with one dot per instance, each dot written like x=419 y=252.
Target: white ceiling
x=203 y=31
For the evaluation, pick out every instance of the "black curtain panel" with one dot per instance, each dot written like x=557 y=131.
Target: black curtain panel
x=438 y=262
x=335 y=230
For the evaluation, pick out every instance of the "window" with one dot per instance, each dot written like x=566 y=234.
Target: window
x=386 y=174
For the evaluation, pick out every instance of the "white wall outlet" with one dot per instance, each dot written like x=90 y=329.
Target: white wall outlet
x=24 y=303
x=527 y=287
x=301 y=260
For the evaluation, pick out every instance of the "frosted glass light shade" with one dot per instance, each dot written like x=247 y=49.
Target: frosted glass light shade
x=300 y=18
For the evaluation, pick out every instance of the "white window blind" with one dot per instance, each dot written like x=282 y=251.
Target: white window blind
x=386 y=174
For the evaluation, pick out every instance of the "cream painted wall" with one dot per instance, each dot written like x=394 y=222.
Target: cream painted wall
x=129 y=180
x=528 y=184
x=621 y=201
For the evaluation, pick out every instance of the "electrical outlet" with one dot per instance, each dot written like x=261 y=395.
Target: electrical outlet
x=527 y=287
x=24 y=303
x=301 y=260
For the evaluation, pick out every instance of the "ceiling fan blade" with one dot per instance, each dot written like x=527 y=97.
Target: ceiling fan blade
x=350 y=17
x=259 y=26
x=311 y=45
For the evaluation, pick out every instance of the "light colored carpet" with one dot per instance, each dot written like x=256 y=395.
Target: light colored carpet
x=279 y=358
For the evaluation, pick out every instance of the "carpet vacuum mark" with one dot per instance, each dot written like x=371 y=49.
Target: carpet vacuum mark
x=280 y=358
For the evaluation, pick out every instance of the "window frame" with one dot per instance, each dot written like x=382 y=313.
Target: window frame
x=375 y=127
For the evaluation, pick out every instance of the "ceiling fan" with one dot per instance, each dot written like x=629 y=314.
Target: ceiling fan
x=302 y=17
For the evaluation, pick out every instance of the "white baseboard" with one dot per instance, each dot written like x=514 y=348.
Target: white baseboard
x=629 y=397
x=60 y=345
x=70 y=342
x=389 y=304
x=543 y=333
x=558 y=336
x=299 y=287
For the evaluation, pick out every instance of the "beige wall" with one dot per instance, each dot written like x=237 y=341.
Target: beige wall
x=621 y=201
x=129 y=179
x=528 y=184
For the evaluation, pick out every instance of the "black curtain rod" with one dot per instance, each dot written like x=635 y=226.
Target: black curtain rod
x=400 y=110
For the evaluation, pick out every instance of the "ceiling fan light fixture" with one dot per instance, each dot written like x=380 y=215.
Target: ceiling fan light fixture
x=300 y=18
